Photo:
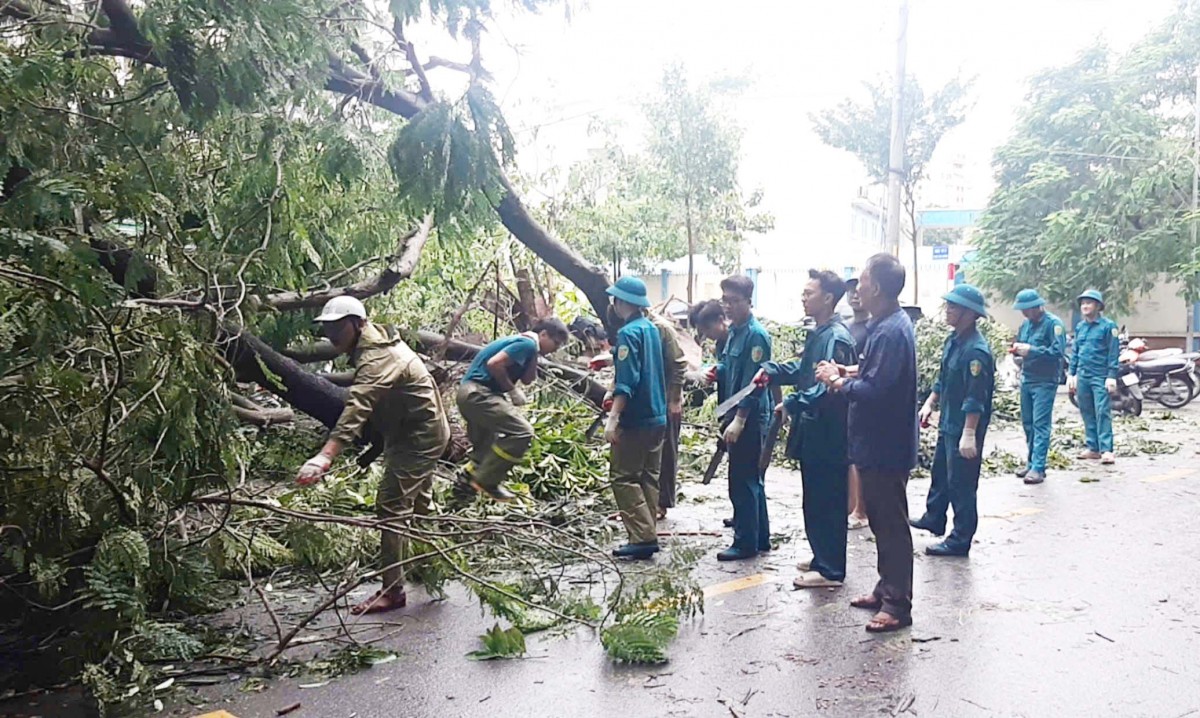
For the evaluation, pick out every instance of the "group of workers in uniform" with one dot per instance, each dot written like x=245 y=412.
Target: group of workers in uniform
x=853 y=413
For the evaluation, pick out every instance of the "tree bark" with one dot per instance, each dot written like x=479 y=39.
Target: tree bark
x=691 y=240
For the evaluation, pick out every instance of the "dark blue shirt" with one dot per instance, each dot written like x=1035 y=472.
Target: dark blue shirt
x=883 y=399
x=818 y=434
x=638 y=360
x=1047 y=342
x=1097 y=348
x=748 y=347
x=965 y=384
x=520 y=349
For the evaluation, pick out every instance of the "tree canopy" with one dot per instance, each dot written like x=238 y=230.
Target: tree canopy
x=679 y=197
x=184 y=183
x=1094 y=188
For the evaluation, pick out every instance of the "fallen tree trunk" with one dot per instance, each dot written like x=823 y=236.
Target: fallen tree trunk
x=579 y=380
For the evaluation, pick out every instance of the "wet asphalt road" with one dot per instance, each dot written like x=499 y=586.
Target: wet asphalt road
x=1078 y=599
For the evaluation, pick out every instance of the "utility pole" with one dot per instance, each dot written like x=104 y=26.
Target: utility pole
x=1189 y=334
x=896 y=151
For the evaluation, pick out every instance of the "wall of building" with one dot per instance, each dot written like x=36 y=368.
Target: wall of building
x=1160 y=316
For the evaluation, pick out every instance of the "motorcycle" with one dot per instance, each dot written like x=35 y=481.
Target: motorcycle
x=1166 y=375
x=1129 y=397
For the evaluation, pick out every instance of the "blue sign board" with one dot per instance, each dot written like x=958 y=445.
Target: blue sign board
x=941 y=251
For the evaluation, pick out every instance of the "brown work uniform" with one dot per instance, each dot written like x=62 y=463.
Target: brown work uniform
x=394 y=392
x=675 y=367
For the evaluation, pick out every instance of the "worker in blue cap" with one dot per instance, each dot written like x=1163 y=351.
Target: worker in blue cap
x=963 y=389
x=1093 y=374
x=1041 y=346
x=637 y=420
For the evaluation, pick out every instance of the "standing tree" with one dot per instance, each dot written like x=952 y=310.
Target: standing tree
x=615 y=209
x=863 y=129
x=1095 y=185
x=696 y=154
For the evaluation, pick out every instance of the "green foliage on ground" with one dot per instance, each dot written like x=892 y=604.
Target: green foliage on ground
x=500 y=643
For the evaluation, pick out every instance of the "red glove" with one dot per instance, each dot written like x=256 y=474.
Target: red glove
x=711 y=376
x=599 y=362
x=607 y=404
x=762 y=380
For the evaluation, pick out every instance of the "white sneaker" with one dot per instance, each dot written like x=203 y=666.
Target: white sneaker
x=853 y=523
x=1108 y=458
x=812 y=579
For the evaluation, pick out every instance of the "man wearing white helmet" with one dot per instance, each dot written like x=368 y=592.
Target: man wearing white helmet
x=393 y=391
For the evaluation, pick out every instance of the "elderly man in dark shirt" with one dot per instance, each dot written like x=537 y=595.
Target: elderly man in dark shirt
x=883 y=435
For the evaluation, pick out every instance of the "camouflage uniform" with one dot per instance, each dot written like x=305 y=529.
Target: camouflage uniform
x=394 y=392
x=675 y=366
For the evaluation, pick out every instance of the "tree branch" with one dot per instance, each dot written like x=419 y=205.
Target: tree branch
x=252 y=413
x=125 y=40
x=408 y=254
x=16 y=9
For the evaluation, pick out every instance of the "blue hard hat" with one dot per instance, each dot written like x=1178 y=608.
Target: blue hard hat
x=967 y=297
x=1093 y=294
x=630 y=289
x=1028 y=299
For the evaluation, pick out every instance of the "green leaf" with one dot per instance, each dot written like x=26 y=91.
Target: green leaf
x=500 y=643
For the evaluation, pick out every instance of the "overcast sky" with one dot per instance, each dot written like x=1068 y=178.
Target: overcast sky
x=555 y=76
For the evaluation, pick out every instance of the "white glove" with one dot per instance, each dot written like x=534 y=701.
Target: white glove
x=926 y=412
x=517 y=396
x=697 y=376
x=1072 y=384
x=1021 y=349
x=1111 y=386
x=966 y=446
x=734 y=431
x=612 y=428
x=313 y=470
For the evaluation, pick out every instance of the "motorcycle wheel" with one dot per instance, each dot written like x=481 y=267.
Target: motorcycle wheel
x=1175 y=391
x=1135 y=406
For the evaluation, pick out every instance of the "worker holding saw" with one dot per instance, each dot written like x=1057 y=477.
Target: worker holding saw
x=818 y=435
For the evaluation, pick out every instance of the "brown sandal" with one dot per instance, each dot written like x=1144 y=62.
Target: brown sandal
x=868 y=602
x=381 y=602
x=884 y=622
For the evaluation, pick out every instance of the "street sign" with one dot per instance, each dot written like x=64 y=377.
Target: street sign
x=941 y=251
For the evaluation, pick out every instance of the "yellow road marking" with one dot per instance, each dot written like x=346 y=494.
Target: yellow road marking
x=737 y=584
x=1169 y=476
x=1027 y=511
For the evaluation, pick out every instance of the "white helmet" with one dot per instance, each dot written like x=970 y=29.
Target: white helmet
x=340 y=308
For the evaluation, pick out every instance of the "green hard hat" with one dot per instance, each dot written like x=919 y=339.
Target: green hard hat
x=967 y=297
x=1028 y=299
x=1093 y=294
x=630 y=289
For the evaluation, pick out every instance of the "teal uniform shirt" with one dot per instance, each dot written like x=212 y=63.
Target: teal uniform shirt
x=520 y=349
x=1047 y=340
x=965 y=384
x=638 y=360
x=818 y=434
x=1097 y=348
x=748 y=347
